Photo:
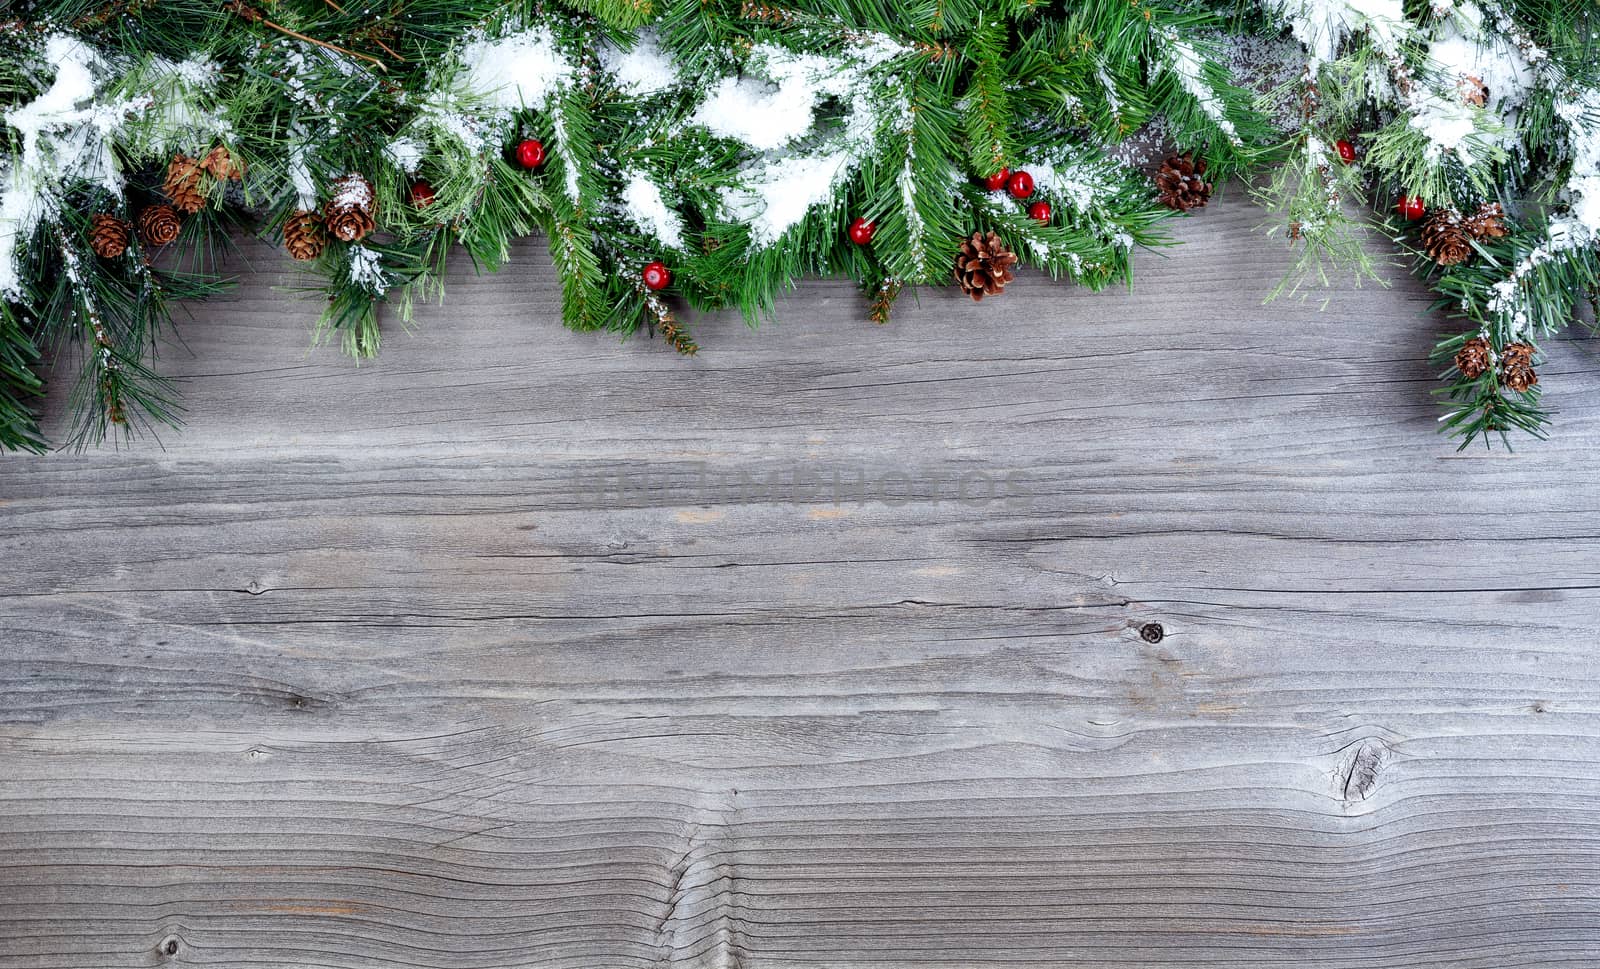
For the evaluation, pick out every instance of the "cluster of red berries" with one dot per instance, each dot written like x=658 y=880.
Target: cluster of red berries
x=528 y=153
x=1410 y=207
x=1019 y=184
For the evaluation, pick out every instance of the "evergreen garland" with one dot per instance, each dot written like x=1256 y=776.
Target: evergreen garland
x=712 y=152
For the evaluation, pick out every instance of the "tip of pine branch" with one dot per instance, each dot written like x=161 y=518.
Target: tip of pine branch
x=678 y=338
x=883 y=300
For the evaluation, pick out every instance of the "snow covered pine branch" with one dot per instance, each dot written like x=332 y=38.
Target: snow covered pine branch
x=710 y=154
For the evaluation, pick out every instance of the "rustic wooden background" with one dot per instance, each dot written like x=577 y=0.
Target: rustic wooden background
x=524 y=648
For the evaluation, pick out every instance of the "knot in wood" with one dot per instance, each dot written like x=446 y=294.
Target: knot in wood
x=1360 y=773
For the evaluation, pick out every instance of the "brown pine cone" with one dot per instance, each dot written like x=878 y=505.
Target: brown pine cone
x=1445 y=239
x=350 y=213
x=1473 y=358
x=1473 y=90
x=158 y=225
x=108 y=236
x=183 y=184
x=222 y=165
x=1489 y=222
x=983 y=266
x=1516 y=367
x=1181 y=183
x=302 y=236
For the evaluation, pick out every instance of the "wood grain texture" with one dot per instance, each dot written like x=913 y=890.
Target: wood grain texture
x=517 y=647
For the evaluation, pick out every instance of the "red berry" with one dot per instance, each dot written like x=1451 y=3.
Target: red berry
x=657 y=275
x=421 y=193
x=1410 y=207
x=1039 y=212
x=1020 y=185
x=1347 y=151
x=530 y=153
x=861 y=231
x=997 y=181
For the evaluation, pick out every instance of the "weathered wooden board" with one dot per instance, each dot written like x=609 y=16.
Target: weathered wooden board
x=517 y=647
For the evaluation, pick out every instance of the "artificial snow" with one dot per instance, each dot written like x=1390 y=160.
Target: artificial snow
x=521 y=70
x=509 y=74
x=406 y=153
x=1462 y=54
x=18 y=216
x=474 y=136
x=1580 y=227
x=644 y=205
x=366 y=270
x=1498 y=65
x=916 y=228
x=1189 y=66
x=1266 y=65
x=66 y=138
x=305 y=187
x=65 y=134
x=755 y=112
x=199 y=72
x=1321 y=25
x=569 y=163
x=1448 y=124
x=351 y=192
x=1582 y=118
x=1585 y=200
x=642 y=71
x=178 y=110
x=294 y=85
x=1071 y=184
x=1112 y=101
x=766 y=115
x=775 y=196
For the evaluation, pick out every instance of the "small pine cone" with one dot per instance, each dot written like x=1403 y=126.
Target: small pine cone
x=302 y=236
x=983 y=266
x=1516 y=367
x=1489 y=222
x=182 y=184
x=1473 y=359
x=1181 y=183
x=1445 y=238
x=1473 y=90
x=108 y=236
x=350 y=213
x=222 y=165
x=158 y=225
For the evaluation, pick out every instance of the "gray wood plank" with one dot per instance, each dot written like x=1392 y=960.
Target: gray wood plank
x=518 y=647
